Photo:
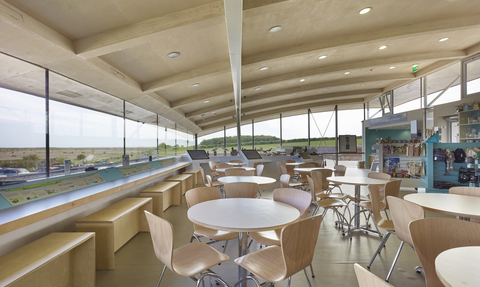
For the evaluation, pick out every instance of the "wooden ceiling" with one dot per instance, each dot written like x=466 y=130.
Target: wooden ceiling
x=120 y=47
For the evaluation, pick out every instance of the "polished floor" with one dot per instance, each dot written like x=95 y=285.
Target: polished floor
x=136 y=264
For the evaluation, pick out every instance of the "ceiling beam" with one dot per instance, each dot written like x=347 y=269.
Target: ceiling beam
x=200 y=98
x=139 y=33
x=291 y=102
x=473 y=49
x=283 y=110
x=400 y=32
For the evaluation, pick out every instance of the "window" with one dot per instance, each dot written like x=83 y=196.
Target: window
x=407 y=97
x=295 y=130
x=473 y=75
x=444 y=86
x=267 y=135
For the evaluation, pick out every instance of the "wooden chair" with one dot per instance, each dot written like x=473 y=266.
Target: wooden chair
x=213 y=167
x=403 y=212
x=378 y=220
x=391 y=188
x=277 y=263
x=304 y=174
x=320 y=182
x=290 y=168
x=201 y=194
x=326 y=204
x=236 y=161
x=187 y=260
x=432 y=236
x=340 y=170
x=211 y=183
x=366 y=278
x=466 y=190
x=241 y=190
x=222 y=165
x=285 y=182
x=255 y=166
x=234 y=171
x=259 y=170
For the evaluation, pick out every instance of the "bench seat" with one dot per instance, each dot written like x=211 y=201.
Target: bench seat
x=163 y=194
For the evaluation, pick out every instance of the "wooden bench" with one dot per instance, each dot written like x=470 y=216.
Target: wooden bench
x=114 y=226
x=186 y=182
x=197 y=176
x=58 y=259
x=163 y=196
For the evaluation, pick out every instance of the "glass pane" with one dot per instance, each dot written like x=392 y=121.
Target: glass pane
x=407 y=97
x=322 y=133
x=267 y=135
x=231 y=138
x=439 y=81
x=182 y=140
x=190 y=141
x=141 y=133
x=473 y=77
x=350 y=123
x=374 y=109
x=209 y=142
x=22 y=119
x=246 y=131
x=295 y=130
x=82 y=135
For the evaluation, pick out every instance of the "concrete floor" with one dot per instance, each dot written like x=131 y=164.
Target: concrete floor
x=136 y=264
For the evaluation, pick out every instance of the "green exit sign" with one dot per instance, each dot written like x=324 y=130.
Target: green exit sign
x=415 y=68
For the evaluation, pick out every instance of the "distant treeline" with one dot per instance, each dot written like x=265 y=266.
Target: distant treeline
x=259 y=140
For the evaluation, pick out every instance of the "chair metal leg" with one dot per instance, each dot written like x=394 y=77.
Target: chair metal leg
x=311 y=270
x=394 y=261
x=290 y=280
x=379 y=249
x=161 y=276
x=225 y=246
x=308 y=280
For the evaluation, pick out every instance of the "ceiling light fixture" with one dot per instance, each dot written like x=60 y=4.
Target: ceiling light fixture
x=365 y=10
x=206 y=102
x=256 y=89
x=322 y=57
x=302 y=80
x=346 y=73
x=326 y=89
x=195 y=85
x=379 y=83
x=173 y=54
x=443 y=39
x=382 y=47
x=274 y=29
x=263 y=68
x=362 y=85
x=392 y=67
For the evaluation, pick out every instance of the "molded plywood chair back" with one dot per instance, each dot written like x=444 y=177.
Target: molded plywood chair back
x=297 y=198
x=432 y=236
x=241 y=190
x=366 y=278
x=201 y=194
x=340 y=170
x=234 y=171
x=259 y=170
x=392 y=188
x=466 y=190
x=284 y=181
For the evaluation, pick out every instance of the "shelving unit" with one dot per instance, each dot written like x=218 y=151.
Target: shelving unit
x=396 y=150
x=469 y=121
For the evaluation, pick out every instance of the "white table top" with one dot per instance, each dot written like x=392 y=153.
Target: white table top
x=453 y=204
x=309 y=169
x=261 y=180
x=356 y=180
x=236 y=163
x=246 y=168
x=242 y=214
x=459 y=266
x=293 y=163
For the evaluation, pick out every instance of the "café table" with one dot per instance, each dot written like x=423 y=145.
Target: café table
x=246 y=168
x=310 y=169
x=260 y=180
x=452 y=204
x=242 y=215
x=459 y=266
x=237 y=164
x=357 y=181
x=293 y=163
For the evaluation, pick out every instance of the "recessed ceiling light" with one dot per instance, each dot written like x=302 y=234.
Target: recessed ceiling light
x=173 y=54
x=322 y=57
x=206 y=102
x=256 y=89
x=196 y=85
x=392 y=67
x=274 y=29
x=290 y=95
x=346 y=73
x=382 y=47
x=254 y=101
x=443 y=39
x=362 y=85
x=364 y=10
x=263 y=68
x=379 y=83
x=302 y=80
x=326 y=89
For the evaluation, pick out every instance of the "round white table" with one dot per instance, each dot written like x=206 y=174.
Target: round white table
x=238 y=164
x=293 y=163
x=260 y=180
x=357 y=181
x=309 y=169
x=246 y=168
x=242 y=215
x=459 y=266
x=453 y=204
